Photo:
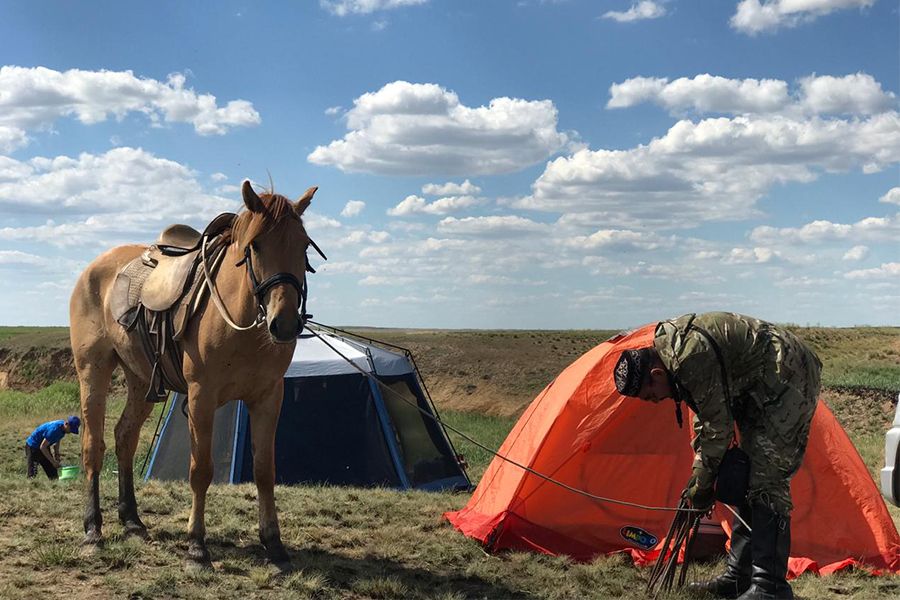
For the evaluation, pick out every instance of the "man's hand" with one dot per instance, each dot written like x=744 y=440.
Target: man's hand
x=699 y=490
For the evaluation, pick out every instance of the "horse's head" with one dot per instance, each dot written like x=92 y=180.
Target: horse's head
x=273 y=242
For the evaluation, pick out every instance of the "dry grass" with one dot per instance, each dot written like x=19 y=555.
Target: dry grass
x=345 y=543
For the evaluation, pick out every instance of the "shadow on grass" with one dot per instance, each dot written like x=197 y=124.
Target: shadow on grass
x=347 y=574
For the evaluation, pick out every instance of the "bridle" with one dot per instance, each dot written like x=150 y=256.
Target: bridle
x=259 y=290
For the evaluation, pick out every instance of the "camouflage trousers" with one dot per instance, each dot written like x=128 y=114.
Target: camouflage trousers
x=775 y=430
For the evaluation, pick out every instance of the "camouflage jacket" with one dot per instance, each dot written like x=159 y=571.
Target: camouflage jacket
x=722 y=365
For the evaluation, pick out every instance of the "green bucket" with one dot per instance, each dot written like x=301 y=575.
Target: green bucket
x=69 y=472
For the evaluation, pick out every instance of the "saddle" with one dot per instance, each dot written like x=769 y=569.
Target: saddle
x=157 y=293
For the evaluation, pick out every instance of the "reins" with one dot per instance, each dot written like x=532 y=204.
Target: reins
x=217 y=299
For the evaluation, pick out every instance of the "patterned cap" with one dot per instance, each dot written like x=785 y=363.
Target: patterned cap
x=631 y=371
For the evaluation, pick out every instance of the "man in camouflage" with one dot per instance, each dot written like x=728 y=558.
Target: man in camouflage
x=733 y=370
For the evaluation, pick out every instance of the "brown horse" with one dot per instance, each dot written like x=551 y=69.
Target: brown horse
x=221 y=362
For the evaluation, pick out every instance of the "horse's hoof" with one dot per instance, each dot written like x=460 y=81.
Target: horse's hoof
x=197 y=553
x=92 y=539
x=133 y=529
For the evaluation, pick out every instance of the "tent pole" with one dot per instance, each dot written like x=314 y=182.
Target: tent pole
x=437 y=416
x=155 y=434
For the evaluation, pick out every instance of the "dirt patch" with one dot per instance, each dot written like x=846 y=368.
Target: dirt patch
x=35 y=368
x=490 y=372
x=486 y=399
x=862 y=410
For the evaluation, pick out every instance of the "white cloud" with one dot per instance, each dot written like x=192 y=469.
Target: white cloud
x=342 y=8
x=125 y=195
x=744 y=256
x=753 y=17
x=858 y=94
x=871 y=229
x=91 y=231
x=493 y=226
x=856 y=253
x=483 y=279
x=360 y=237
x=466 y=188
x=12 y=138
x=17 y=258
x=645 y=9
x=332 y=111
x=353 y=208
x=886 y=270
x=618 y=239
x=124 y=181
x=218 y=177
x=422 y=129
x=413 y=204
x=711 y=170
x=704 y=93
x=803 y=281
x=33 y=98
x=385 y=280
x=892 y=196
x=659 y=271
x=312 y=220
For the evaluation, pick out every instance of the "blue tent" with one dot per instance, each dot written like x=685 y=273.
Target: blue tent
x=337 y=425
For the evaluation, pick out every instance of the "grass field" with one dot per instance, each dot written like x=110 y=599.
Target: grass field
x=350 y=542
x=345 y=542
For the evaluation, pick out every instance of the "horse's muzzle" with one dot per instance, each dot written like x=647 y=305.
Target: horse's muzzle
x=283 y=330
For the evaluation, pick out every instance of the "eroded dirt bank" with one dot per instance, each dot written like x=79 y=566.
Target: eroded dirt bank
x=491 y=372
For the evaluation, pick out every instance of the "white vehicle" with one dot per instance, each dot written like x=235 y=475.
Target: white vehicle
x=890 y=474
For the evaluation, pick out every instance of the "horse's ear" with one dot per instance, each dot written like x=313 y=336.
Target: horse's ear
x=251 y=200
x=303 y=201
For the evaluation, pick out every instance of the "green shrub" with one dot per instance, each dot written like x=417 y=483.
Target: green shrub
x=59 y=398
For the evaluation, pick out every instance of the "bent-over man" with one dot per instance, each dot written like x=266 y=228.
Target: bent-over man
x=46 y=437
x=733 y=370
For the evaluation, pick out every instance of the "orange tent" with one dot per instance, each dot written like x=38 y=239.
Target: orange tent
x=580 y=431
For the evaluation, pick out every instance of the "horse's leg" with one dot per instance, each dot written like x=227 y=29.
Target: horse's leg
x=128 y=430
x=201 y=410
x=94 y=369
x=264 y=413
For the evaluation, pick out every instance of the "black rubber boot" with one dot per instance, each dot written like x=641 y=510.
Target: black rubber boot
x=736 y=579
x=771 y=544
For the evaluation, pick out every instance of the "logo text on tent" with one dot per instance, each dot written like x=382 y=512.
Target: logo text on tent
x=639 y=537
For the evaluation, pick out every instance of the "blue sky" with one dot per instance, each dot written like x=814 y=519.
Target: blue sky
x=485 y=164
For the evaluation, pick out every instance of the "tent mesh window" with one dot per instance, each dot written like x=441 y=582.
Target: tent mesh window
x=425 y=453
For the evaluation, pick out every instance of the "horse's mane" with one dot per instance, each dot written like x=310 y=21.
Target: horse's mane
x=249 y=225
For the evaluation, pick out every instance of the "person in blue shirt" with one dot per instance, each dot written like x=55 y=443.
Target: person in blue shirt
x=39 y=444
